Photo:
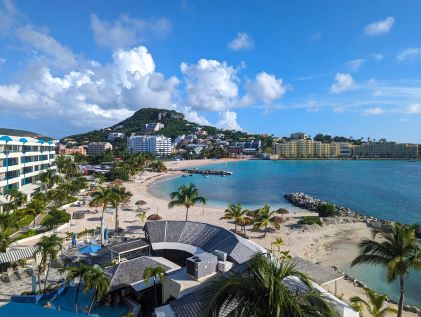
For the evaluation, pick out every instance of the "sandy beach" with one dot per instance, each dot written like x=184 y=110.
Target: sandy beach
x=331 y=245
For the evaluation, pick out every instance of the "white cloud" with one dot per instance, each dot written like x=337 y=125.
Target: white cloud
x=8 y=15
x=379 y=27
x=413 y=109
x=243 y=41
x=409 y=53
x=266 y=87
x=355 y=64
x=373 y=111
x=2 y=61
x=127 y=31
x=46 y=44
x=194 y=116
x=343 y=82
x=228 y=120
x=377 y=56
x=210 y=85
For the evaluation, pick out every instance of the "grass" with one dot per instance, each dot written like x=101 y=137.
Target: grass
x=310 y=220
x=25 y=221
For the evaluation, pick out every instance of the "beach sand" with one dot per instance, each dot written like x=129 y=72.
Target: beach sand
x=331 y=245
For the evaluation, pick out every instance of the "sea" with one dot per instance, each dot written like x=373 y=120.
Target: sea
x=386 y=189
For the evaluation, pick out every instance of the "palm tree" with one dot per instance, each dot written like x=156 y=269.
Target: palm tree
x=119 y=196
x=49 y=248
x=5 y=241
x=16 y=198
x=74 y=272
x=188 y=196
x=374 y=304
x=7 y=220
x=102 y=197
x=155 y=273
x=278 y=243
x=398 y=251
x=261 y=292
x=35 y=207
x=266 y=218
x=235 y=212
x=141 y=215
x=49 y=179
x=97 y=280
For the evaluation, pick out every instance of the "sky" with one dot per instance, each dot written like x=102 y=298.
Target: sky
x=348 y=68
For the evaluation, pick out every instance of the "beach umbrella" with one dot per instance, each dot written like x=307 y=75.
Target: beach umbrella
x=90 y=248
x=282 y=211
x=154 y=217
x=141 y=203
x=277 y=219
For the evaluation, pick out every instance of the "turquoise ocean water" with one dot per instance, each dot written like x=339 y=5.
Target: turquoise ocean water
x=389 y=190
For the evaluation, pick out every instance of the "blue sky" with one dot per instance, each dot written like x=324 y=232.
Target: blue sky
x=346 y=68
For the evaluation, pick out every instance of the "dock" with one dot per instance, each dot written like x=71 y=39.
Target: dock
x=202 y=172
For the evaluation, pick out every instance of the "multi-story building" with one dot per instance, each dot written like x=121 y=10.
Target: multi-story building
x=386 y=150
x=73 y=150
x=307 y=148
x=156 y=144
x=299 y=136
x=22 y=160
x=95 y=148
x=152 y=127
x=114 y=136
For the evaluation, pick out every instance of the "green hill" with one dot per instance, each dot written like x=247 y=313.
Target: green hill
x=14 y=132
x=174 y=122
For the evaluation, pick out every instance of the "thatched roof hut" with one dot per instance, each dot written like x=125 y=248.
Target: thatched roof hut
x=141 y=203
x=154 y=217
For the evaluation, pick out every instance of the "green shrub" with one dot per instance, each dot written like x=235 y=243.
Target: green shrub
x=326 y=210
x=310 y=220
x=117 y=173
x=54 y=218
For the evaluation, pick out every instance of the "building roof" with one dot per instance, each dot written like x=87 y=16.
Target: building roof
x=202 y=237
x=131 y=272
x=129 y=246
x=318 y=273
x=17 y=254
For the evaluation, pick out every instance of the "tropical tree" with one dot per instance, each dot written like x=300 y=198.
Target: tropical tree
x=265 y=218
x=375 y=304
x=235 y=212
x=261 y=292
x=397 y=251
x=5 y=241
x=188 y=196
x=278 y=242
x=15 y=198
x=48 y=247
x=77 y=272
x=141 y=215
x=154 y=273
x=119 y=196
x=97 y=280
x=49 y=179
x=102 y=197
x=7 y=220
x=35 y=207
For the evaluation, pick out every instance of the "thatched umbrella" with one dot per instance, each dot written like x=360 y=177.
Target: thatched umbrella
x=282 y=212
x=154 y=217
x=277 y=219
x=141 y=203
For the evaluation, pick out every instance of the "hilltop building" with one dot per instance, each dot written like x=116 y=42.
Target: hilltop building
x=156 y=144
x=152 y=127
x=299 y=136
x=95 y=148
x=22 y=161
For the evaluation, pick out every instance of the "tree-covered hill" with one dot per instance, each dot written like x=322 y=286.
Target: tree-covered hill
x=23 y=133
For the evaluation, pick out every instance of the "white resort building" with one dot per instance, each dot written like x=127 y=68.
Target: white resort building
x=156 y=144
x=22 y=160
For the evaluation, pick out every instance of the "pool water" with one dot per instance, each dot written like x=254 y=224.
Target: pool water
x=66 y=301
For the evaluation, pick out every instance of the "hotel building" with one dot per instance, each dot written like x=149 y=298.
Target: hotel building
x=22 y=161
x=386 y=150
x=158 y=145
x=95 y=148
x=307 y=148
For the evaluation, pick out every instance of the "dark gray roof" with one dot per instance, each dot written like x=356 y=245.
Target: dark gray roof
x=318 y=273
x=129 y=272
x=204 y=236
x=129 y=246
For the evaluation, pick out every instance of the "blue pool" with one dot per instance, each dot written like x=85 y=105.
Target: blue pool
x=66 y=302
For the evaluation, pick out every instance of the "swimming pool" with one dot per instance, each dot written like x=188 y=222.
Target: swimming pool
x=66 y=302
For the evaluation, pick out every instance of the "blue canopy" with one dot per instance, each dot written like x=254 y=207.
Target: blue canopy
x=91 y=248
x=23 y=140
x=6 y=138
x=19 y=309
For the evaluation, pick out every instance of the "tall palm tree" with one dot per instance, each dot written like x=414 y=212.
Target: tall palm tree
x=35 y=207
x=97 y=280
x=5 y=241
x=374 y=304
x=49 y=179
x=261 y=292
x=102 y=197
x=74 y=272
x=119 y=196
x=235 y=212
x=7 y=220
x=16 y=197
x=188 y=196
x=155 y=273
x=398 y=251
x=265 y=218
x=49 y=248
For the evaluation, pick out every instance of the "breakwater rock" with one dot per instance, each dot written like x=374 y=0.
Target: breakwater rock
x=309 y=203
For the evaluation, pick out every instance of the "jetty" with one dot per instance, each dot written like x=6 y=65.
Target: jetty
x=202 y=172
